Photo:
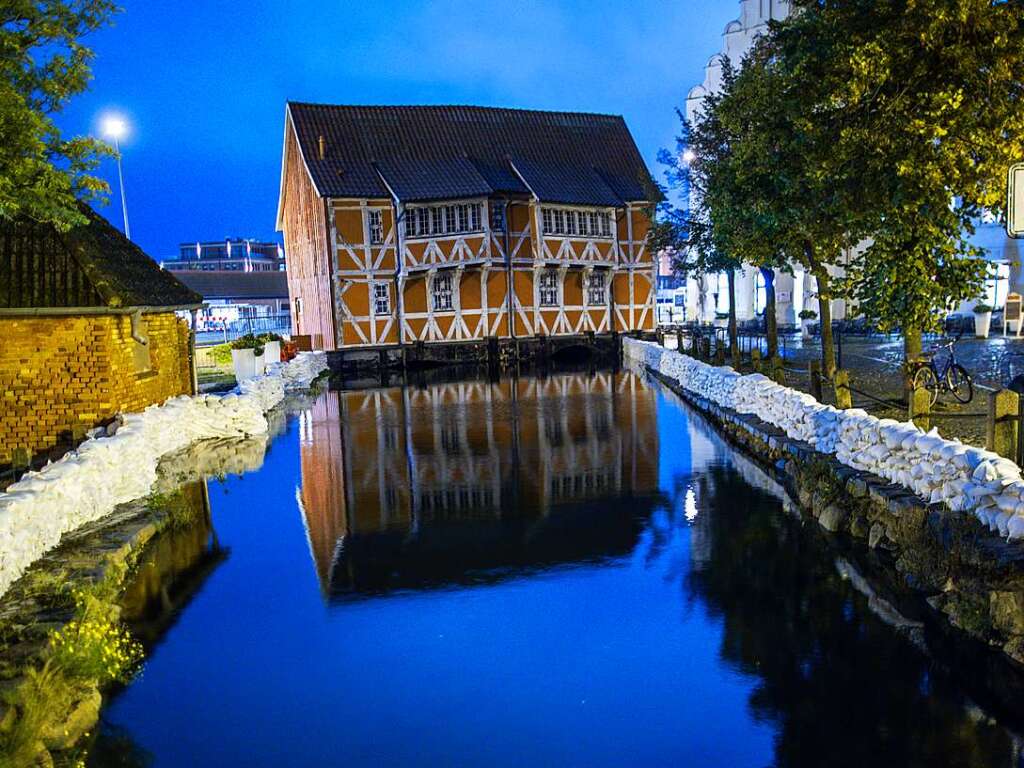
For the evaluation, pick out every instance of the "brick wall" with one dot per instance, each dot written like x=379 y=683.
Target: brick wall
x=62 y=375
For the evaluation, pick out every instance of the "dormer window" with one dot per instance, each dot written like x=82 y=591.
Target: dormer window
x=575 y=222
x=441 y=220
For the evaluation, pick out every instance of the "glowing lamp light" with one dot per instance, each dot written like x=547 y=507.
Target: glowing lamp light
x=115 y=127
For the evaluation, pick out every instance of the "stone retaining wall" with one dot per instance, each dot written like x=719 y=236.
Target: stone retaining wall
x=970 y=576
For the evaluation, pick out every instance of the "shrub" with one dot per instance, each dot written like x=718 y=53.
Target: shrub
x=92 y=646
x=981 y=308
x=268 y=337
x=808 y=314
x=249 y=342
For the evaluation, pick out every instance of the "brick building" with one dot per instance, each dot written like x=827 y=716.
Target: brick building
x=88 y=330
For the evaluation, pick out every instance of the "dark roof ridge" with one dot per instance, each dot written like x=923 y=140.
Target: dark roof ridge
x=530 y=110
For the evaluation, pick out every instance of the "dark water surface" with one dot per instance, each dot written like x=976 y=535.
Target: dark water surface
x=567 y=571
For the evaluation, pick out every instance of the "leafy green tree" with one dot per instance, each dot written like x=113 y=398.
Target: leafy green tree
x=921 y=103
x=43 y=63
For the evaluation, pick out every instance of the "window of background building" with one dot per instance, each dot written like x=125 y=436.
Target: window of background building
x=442 y=292
x=997 y=285
x=375 y=223
x=549 y=288
x=760 y=293
x=381 y=299
x=722 y=293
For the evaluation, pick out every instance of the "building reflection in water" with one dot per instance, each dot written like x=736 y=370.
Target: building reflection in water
x=405 y=487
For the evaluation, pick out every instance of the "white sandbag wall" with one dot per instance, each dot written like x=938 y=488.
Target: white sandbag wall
x=121 y=463
x=965 y=478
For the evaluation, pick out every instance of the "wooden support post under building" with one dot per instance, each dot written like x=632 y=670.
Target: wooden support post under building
x=919 y=405
x=841 y=384
x=1001 y=425
x=815 y=371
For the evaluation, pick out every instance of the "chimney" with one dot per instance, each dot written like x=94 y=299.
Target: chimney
x=322 y=146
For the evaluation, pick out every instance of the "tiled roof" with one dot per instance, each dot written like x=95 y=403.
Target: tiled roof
x=121 y=271
x=432 y=153
x=236 y=285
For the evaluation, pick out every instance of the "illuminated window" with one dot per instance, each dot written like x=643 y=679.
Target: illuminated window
x=442 y=292
x=381 y=299
x=997 y=285
x=549 y=288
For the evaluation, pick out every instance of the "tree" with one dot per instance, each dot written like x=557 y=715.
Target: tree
x=921 y=101
x=43 y=63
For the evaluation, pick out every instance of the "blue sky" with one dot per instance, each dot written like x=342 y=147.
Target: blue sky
x=204 y=84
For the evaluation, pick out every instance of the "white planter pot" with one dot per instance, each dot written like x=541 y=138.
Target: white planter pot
x=982 y=321
x=246 y=363
x=271 y=353
x=805 y=327
x=721 y=322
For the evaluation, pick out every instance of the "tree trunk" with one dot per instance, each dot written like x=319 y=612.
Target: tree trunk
x=734 y=347
x=828 y=352
x=771 y=325
x=911 y=352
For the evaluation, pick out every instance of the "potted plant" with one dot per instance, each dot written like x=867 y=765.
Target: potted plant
x=271 y=348
x=807 y=318
x=247 y=357
x=721 y=319
x=982 y=320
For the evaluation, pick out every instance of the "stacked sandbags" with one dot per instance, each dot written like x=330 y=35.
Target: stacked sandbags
x=105 y=471
x=965 y=478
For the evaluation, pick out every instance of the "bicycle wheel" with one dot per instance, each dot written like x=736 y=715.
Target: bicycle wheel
x=959 y=382
x=925 y=378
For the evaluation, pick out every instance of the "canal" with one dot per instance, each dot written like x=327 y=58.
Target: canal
x=562 y=570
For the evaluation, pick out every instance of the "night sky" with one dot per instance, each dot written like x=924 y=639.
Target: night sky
x=204 y=85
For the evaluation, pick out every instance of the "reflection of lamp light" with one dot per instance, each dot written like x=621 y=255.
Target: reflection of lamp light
x=690 y=505
x=116 y=128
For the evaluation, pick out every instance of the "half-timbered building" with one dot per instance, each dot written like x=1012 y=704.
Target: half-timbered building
x=455 y=224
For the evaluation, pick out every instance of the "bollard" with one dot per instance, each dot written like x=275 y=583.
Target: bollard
x=659 y=336
x=1001 y=425
x=755 y=359
x=679 y=342
x=841 y=385
x=815 y=370
x=919 y=404
x=719 y=355
x=21 y=458
x=778 y=371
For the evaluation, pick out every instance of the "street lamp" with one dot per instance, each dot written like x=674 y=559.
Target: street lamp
x=116 y=128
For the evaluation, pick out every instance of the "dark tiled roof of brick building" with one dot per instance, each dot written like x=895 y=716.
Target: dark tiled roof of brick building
x=436 y=153
x=236 y=285
x=93 y=265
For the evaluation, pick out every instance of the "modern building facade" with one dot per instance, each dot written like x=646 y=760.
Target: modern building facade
x=230 y=255
x=454 y=224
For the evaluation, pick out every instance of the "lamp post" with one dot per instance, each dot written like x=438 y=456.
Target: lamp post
x=115 y=128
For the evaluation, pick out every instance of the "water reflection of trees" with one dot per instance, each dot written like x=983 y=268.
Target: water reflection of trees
x=442 y=481
x=841 y=686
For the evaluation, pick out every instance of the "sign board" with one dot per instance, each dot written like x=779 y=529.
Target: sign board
x=781 y=297
x=1015 y=201
x=1011 y=312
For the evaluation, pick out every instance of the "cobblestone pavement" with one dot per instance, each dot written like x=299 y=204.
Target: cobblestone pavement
x=874 y=366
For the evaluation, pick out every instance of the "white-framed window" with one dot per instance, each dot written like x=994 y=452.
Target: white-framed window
x=576 y=222
x=442 y=292
x=596 y=294
x=375 y=224
x=498 y=217
x=437 y=221
x=548 y=290
x=447 y=219
x=381 y=299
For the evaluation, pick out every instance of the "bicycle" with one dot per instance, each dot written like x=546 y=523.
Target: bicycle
x=952 y=377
